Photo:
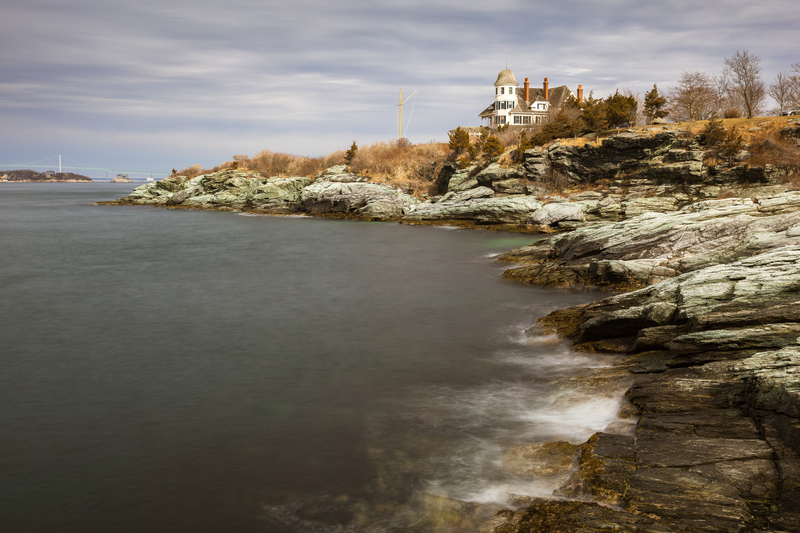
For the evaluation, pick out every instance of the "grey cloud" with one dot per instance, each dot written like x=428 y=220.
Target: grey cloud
x=309 y=76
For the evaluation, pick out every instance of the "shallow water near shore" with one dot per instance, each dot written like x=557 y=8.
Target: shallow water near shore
x=174 y=370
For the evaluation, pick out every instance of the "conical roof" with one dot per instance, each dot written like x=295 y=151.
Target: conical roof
x=506 y=77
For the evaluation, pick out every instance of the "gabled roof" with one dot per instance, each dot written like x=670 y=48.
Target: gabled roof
x=488 y=111
x=556 y=96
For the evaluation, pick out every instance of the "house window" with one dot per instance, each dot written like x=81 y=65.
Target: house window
x=495 y=90
x=527 y=119
x=503 y=119
x=502 y=89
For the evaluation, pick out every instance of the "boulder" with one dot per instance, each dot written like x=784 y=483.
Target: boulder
x=503 y=210
x=550 y=214
x=354 y=199
x=509 y=186
x=461 y=181
x=340 y=174
x=495 y=172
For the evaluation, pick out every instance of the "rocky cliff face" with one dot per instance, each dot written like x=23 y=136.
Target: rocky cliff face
x=714 y=338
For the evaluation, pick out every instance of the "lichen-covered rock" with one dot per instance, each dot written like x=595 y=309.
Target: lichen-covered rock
x=279 y=189
x=340 y=174
x=495 y=172
x=509 y=186
x=343 y=198
x=550 y=214
x=653 y=246
x=504 y=210
x=461 y=181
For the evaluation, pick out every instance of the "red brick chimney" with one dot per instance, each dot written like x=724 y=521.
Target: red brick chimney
x=580 y=93
x=527 y=90
x=546 y=89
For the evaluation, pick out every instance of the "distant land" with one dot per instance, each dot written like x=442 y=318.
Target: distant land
x=33 y=176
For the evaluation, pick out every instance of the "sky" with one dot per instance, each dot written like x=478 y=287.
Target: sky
x=162 y=84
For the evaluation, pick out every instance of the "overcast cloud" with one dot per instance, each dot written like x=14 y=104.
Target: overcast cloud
x=169 y=83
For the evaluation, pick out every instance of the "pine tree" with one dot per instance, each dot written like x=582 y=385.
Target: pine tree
x=351 y=153
x=459 y=140
x=732 y=144
x=713 y=133
x=620 y=109
x=492 y=148
x=653 y=102
x=593 y=115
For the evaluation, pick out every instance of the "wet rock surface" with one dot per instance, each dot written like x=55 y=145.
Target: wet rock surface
x=714 y=340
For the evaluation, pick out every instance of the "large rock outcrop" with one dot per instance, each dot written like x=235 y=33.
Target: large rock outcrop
x=655 y=246
x=367 y=200
x=714 y=340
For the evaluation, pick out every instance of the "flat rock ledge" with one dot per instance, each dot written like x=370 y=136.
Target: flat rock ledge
x=713 y=340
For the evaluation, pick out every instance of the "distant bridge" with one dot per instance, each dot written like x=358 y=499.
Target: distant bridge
x=51 y=163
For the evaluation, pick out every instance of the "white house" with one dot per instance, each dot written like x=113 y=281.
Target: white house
x=523 y=107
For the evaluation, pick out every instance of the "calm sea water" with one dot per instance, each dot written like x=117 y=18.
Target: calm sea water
x=194 y=371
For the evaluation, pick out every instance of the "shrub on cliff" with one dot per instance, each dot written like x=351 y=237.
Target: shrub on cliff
x=713 y=133
x=732 y=144
x=459 y=141
x=492 y=148
x=653 y=104
x=561 y=128
x=620 y=110
x=593 y=115
x=350 y=154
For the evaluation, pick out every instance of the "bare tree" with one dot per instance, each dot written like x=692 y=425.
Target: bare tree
x=727 y=100
x=693 y=98
x=795 y=79
x=783 y=91
x=743 y=70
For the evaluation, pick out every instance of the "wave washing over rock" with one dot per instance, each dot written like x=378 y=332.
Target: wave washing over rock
x=709 y=434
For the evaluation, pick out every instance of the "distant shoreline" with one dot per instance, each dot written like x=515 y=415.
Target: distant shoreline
x=31 y=176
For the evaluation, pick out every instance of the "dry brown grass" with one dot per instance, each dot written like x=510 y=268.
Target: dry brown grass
x=579 y=141
x=412 y=168
x=271 y=164
x=193 y=171
x=769 y=147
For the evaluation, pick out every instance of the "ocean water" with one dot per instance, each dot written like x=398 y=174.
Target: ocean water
x=173 y=370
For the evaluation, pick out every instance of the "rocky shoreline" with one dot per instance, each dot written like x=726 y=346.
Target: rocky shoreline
x=704 y=260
